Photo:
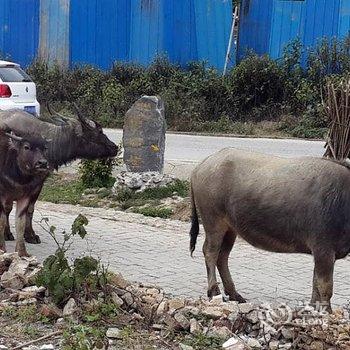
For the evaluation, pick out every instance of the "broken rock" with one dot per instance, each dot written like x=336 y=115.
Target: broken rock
x=19 y=267
x=234 y=343
x=213 y=312
x=11 y=281
x=253 y=343
x=116 y=299
x=162 y=308
x=219 y=332
x=50 y=311
x=176 y=304
x=183 y=322
x=245 y=308
x=113 y=333
x=195 y=327
x=70 y=308
x=116 y=279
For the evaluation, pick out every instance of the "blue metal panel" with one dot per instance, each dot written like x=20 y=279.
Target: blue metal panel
x=321 y=20
x=287 y=25
x=179 y=40
x=254 y=27
x=213 y=25
x=19 y=30
x=146 y=36
x=309 y=20
x=344 y=18
x=54 y=31
x=99 y=31
x=184 y=30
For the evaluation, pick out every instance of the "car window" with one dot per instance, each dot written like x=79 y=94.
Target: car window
x=13 y=74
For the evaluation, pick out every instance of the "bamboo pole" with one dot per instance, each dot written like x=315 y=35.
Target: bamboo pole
x=336 y=104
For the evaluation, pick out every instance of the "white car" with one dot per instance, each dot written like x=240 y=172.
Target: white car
x=17 y=90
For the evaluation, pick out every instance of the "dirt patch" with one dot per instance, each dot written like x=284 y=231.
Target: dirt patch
x=182 y=210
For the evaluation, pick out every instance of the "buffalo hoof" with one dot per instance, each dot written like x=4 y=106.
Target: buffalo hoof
x=21 y=250
x=32 y=238
x=9 y=235
x=3 y=248
x=214 y=290
x=321 y=306
x=239 y=298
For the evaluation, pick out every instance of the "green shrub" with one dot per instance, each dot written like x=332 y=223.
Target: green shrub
x=154 y=212
x=198 y=97
x=255 y=82
x=63 y=280
x=96 y=173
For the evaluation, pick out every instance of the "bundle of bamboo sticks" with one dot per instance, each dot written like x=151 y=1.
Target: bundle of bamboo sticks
x=336 y=102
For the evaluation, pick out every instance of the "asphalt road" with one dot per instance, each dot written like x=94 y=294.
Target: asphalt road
x=183 y=152
x=194 y=148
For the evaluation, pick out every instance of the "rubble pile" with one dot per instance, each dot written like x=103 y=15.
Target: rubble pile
x=141 y=181
x=18 y=273
x=238 y=326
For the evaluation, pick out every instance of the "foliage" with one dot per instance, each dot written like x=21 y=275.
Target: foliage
x=97 y=173
x=62 y=279
x=56 y=190
x=257 y=81
x=198 y=98
x=179 y=187
x=154 y=212
x=82 y=337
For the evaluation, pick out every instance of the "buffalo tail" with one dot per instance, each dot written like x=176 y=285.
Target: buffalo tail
x=194 y=225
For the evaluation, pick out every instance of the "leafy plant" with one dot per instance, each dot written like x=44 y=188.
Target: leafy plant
x=62 y=279
x=97 y=173
x=82 y=337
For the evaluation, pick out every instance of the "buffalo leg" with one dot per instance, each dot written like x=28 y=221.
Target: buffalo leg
x=2 y=228
x=323 y=279
x=315 y=292
x=211 y=254
x=21 y=212
x=29 y=234
x=214 y=235
x=8 y=233
x=223 y=268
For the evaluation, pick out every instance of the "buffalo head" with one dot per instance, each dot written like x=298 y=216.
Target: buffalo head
x=31 y=153
x=93 y=143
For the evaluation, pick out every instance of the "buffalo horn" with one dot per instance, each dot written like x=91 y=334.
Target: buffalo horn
x=13 y=136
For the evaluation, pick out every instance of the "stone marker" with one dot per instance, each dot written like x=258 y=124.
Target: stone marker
x=144 y=135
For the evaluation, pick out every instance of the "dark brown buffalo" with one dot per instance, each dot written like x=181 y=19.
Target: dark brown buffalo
x=23 y=167
x=280 y=205
x=74 y=138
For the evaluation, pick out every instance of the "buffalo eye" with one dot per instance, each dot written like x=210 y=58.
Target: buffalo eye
x=26 y=147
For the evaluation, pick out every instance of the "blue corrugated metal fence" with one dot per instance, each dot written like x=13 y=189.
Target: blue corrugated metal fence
x=100 y=32
x=267 y=26
x=19 y=29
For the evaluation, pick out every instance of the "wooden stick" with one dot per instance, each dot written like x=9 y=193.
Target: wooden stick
x=37 y=340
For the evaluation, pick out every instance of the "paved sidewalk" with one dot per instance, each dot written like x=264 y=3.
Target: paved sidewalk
x=155 y=251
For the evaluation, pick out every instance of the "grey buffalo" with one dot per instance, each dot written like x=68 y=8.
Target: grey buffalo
x=280 y=205
x=23 y=167
x=73 y=138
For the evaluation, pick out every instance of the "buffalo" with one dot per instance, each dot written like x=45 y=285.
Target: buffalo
x=23 y=167
x=280 y=205
x=70 y=139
